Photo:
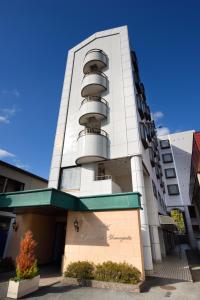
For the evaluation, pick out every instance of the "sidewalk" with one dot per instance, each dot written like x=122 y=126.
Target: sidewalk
x=174 y=267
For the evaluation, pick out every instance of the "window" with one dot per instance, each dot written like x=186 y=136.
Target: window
x=151 y=155
x=14 y=186
x=70 y=179
x=173 y=189
x=154 y=189
x=157 y=171
x=164 y=144
x=167 y=158
x=170 y=173
x=143 y=134
x=134 y=60
x=160 y=169
x=148 y=128
x=192 y=212
x=164 y=189
x=136 y=76
x=10 y=185
x=140 y=106
x=147 y=113
x=196 y=228
x=2 y=184
x=152 y=128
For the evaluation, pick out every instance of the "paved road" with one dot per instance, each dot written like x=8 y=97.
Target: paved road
x=156 y=289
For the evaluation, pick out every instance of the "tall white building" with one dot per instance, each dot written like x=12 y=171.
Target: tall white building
x=176 y=151
x=106 y=140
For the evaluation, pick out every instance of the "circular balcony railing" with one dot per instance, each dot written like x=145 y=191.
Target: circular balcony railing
x=95 y=107
x=93 y=84
x=88 y=131
x=95 y=59
x=92 y=145
x=94 y=98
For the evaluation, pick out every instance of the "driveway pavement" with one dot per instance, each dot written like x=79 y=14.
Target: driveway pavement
x=155 y=289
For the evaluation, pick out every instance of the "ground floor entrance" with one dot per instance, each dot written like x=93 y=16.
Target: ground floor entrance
x=48 y=227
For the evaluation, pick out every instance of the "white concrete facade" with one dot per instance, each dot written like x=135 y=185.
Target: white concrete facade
x=180 y=147
x=113 y=158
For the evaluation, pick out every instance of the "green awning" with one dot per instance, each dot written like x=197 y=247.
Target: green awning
x=58 y=199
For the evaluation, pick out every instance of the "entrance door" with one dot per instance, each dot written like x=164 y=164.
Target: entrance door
x=4 y=228
x=59 y=243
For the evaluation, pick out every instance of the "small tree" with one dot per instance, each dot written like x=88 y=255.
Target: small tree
x=26 y=262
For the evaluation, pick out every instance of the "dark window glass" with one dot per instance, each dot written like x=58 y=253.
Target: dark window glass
x=143 y=134
x=164 y=144
x=157 y=170
x=170 y=173
x=173 y=189
x=14 y=186
x=147 y=113
x=148 y=128
x=134 y=60
x=192 y=211
x=140 y=106
x=196 y=228
x=154 y=189
x=167 y=158
x=2 y=183
x=151 y=155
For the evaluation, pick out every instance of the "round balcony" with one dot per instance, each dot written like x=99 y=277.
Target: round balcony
x=92 y=146
x=95 y=107
x=94 y=84
x=95 y=59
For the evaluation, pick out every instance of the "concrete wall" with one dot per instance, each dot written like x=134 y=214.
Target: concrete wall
x=42 y=228
x=103 y=236
x=181 y=149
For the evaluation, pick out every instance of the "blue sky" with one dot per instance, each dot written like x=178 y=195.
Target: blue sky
x=35 y=37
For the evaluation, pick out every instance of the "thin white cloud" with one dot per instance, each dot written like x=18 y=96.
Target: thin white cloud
x=163 y=131
x=4 y=154
x=9 y=111
x=4 y=119
x=13 y=92
x=6 y=114
x=158 y=115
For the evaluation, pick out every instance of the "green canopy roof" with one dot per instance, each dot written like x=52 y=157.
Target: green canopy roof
x=58 y=199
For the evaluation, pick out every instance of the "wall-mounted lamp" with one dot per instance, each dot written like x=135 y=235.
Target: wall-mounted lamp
x=15 y=226
x=76 y=225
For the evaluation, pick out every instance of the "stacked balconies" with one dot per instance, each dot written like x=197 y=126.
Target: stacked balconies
x=93 y=141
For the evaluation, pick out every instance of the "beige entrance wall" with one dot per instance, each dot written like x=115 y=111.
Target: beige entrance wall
x=42 y=228
x=103 y=236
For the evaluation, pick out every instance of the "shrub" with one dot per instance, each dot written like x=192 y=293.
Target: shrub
x=6 y=264
x=26 y=263
x=80 y=270
x=117 y=272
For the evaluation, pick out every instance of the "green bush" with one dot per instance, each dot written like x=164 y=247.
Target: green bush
x=117 y=272
x=80 y=270
x=108 y=271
